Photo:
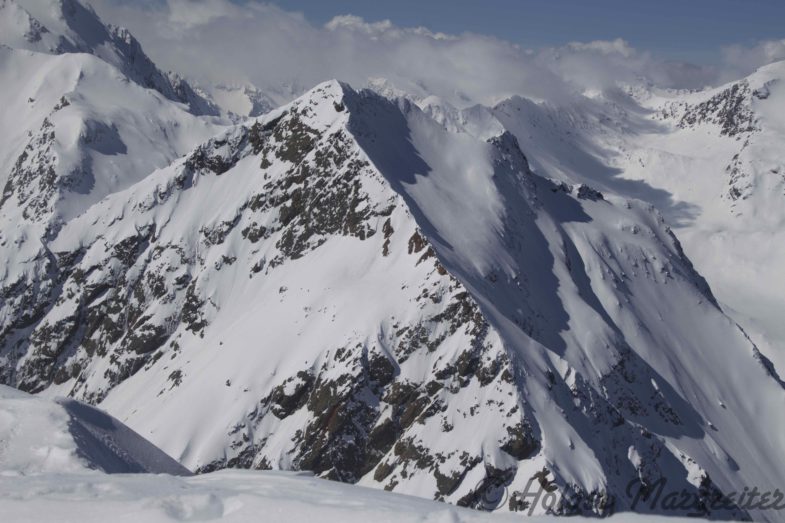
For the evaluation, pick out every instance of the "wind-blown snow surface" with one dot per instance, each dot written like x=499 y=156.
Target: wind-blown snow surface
x=233 y=496
x=41 y=437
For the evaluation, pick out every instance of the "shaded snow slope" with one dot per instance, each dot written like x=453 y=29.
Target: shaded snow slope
x=39 y=437
x=711 y=161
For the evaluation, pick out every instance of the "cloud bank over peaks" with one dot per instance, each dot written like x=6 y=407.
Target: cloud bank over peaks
x=218 y=41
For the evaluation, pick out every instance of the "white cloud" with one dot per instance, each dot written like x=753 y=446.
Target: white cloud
x=382 y=29
x=598 y=64
x=741 y=60
x=188 y=14
x=221 y=41
x=606 y=47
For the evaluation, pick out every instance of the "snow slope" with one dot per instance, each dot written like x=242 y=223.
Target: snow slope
x=95 y=126
x=722 y=156
x=709 y=160
x=45 y=438
x=75 y=130
x=232 y=496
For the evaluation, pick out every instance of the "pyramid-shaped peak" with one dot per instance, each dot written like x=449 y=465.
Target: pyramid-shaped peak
x=330 y=90
x=320 y=107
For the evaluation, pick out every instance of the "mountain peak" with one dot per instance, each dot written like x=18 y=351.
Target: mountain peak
x=329 y=91
x=55 y=26
x=320 y=107
x=68 y=26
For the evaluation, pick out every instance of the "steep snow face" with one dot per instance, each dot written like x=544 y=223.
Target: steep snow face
x=710 y=161
x=42 y=437
x=67 y=26
x=75 y=130
x=347 y=287
x=447 y=178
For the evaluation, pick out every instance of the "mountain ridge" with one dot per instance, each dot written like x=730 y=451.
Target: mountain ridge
x=370 y=289
x=379 y=171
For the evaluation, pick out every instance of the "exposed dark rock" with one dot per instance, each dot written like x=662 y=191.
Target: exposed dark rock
x=520 y=443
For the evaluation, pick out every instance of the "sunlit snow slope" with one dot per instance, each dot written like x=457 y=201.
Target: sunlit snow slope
x=233 y=497
x=723 y=158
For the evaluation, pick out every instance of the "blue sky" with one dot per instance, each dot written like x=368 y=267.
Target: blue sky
x=691 y=30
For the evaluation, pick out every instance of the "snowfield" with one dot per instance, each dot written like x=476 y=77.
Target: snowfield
x=710 y=160
x=234 y=496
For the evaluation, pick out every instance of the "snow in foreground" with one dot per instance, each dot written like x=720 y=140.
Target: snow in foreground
x=39 y=436
x=227 y=496
x=55 y=455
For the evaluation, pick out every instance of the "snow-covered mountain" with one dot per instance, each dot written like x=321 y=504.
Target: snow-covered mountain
x=709 y=160
x=75 y=128
x=721 y=156
x=712 y=162
x=379 y=291
x=68 y=26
